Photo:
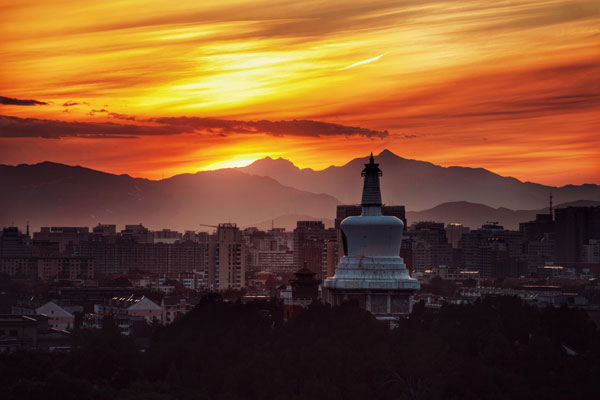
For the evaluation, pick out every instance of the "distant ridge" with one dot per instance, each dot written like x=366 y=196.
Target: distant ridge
x=56 y=194
x=474 y=215
x=421 y=185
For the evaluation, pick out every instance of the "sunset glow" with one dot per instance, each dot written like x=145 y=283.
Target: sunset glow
x=511 y=86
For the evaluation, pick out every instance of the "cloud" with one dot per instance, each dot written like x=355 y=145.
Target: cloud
x=52 y=129
x=70 y=103
x=17 y=102
x=13 y=127
x=122 y=116
x=498 y=98
x=275 y=128
x=93 y=112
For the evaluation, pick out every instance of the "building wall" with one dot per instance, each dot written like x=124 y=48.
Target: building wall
x=309 y=241
x=230 y=258
x=574 y=227
x=127 y=256
x=454 y=232
x=65 y=236
x=591 y=252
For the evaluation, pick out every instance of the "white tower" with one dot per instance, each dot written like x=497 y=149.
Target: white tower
x=373 y=273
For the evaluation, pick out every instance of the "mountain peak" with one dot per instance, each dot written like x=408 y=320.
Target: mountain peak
x=269 y=161
x=387 y=153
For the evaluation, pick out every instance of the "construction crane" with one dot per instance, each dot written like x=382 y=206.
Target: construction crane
x=211 y=226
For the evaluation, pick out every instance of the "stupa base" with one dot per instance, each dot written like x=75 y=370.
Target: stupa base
x=385 y=305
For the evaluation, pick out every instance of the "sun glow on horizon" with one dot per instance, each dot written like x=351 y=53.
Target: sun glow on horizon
x=237 y=162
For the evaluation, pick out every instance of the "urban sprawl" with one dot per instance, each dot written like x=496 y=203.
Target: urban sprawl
x=63 y=278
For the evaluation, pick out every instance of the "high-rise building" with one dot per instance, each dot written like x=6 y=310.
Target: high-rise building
x=274 y=261
x=138 y=233
x=310 y=238
x=105 y=230
x=454 y=232
x=124 y=256
x=591 y=252
x=536 y=230
x=487 y=249
x=574 y=228
x=229 y=261
x=14 y=244
x=166 y=236
x=65 y=236
x=539 y=242
x=430 y=247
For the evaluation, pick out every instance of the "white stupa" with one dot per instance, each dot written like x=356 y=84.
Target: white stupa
x=372 y=272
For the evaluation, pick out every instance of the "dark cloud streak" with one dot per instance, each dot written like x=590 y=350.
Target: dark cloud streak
x=17 y=102
x=11 y=127
x=275 y=128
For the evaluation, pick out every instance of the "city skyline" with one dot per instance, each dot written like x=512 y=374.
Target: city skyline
x=161 y=89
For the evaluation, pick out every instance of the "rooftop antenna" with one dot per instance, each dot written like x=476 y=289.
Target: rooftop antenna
x=550 y=203
x=27 y=228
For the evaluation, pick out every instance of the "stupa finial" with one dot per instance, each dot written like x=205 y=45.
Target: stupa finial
x=371 y=196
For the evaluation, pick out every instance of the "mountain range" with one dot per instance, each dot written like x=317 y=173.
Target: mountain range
x=421 y=185
x=474 y=215
x=51 y=194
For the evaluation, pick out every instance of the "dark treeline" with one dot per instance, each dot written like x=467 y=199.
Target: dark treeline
x=497 y=348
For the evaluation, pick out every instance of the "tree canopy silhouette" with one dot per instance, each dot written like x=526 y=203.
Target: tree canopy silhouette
x=496 y=348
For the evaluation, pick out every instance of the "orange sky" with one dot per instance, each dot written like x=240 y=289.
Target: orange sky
x=511 y=86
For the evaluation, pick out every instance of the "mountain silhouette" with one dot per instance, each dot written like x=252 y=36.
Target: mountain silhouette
x=421 y=185
x=51 y=194
x=474 y=215
x=60 y=195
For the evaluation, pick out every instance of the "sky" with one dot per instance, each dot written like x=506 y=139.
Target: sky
x=155 y=88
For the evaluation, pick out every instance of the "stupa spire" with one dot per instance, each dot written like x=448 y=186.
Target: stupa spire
x=371 y=196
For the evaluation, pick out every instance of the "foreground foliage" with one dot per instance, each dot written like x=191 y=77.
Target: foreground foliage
x=497 y=348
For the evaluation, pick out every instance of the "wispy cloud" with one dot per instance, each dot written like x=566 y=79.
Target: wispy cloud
x=367 y=61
